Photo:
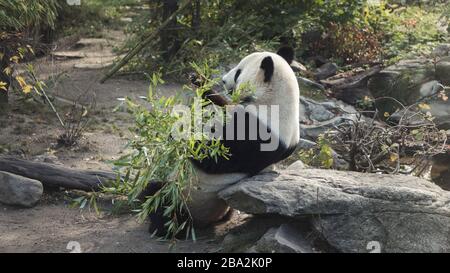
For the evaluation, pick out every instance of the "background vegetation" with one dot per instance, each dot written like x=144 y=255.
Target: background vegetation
x=222 y=31
x=349 y=33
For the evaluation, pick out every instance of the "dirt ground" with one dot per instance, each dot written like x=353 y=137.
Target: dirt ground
x=30 y=130
x=52 y=226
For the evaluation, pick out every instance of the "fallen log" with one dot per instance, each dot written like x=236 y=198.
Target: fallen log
x=57 y=176
x=351 y=89
x=359 y=79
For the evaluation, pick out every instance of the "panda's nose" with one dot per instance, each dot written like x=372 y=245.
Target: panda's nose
x=223 y=82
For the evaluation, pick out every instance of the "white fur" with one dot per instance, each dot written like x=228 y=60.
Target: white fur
x=282 y=90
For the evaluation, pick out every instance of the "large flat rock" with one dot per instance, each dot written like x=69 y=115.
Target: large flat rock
x=351 y=210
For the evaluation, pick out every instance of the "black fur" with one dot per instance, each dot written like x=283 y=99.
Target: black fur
x=236 y=76
x=268 y=67
x=246 y=155
x=157 y=219
x=287 y=53
x=247 y=100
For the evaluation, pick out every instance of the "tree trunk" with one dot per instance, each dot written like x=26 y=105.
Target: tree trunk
x=57 y=176
x=196 y=15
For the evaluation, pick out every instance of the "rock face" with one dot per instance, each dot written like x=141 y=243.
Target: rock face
x=440 y=171
x=443 y=70
x=411 y=81
x=318 y=117
x=283 y=239
x=353 y=210
x=325 y=71
x=442 y=50
x=19 y=191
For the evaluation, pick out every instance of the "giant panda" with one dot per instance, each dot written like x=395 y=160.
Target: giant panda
x=275 y=84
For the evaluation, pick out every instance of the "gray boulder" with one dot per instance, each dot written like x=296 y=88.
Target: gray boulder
x=442 y=50
x=317 y=118
x=19 y=191
x=284 y=239
x=443 y=70
x=325 y=71
x=412 y=81
x=440 y=171
x=353 y=211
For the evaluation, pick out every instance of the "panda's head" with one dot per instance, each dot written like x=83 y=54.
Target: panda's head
x=261 y=68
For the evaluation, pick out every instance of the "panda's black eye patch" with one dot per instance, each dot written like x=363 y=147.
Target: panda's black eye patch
x=236 y=76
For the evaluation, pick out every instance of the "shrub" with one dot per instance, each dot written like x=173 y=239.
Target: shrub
x=157 y=156
x=352 y=44
x=229 y=30
x=20 y=15
x=19 y=18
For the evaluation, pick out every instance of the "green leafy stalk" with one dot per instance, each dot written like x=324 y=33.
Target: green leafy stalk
x=157 y=156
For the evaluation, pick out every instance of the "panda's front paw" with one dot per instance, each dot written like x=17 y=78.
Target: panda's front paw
x=248 y=99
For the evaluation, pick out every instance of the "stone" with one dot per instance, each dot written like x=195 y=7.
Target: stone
x=354 y=95
x=412 y=81
x=394 y=232
x=19 y=191
x=325 y=71
x=307 y=83
x=92 y=42
x=284 y=239
x=206 y=208
x=442 y=50
x=396 y=81
x=305 y=144
x=440 y=170
x=317 y=118
x=443 y=70
x=244 y=236
x=70 y=54
x=353 y=211
x=93 y=65
x=297 y=165
x=298 y=67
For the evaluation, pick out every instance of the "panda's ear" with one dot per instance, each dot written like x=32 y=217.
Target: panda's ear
x=287 y=53
x=268 y=67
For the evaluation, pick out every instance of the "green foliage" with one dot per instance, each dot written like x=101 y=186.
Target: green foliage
x=347 y=31
x=232 y=29
x=245 y=89
x=18 y=15
x=158 y=156
x=92 y=16
x=89 y=200
x=320 y=156
x=412 y=31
